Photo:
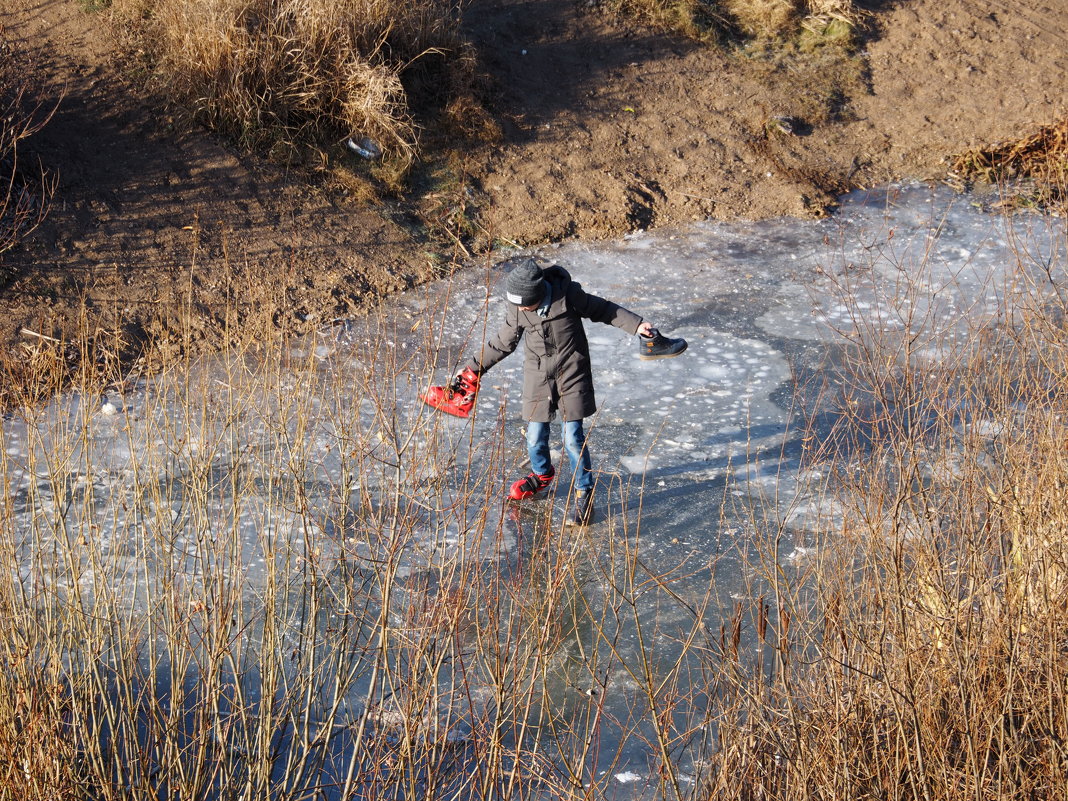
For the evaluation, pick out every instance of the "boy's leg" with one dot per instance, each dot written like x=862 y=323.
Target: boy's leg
x=575 y=446
x=582 y=498
x=538 y=448
x=541 y=465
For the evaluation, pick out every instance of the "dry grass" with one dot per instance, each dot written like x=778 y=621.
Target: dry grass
x=765 y=18
x=26 y=187
x=922 y=652
x=1038 y=161
x=274 y=580
x=692 y=18
x=271 y=580
x=818 y=21
x=825 y=11
x=281 y=74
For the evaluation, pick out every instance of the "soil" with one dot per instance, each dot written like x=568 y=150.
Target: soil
x=164 y=234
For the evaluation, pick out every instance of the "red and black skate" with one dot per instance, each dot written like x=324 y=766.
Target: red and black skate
x=527 y=488
x=456 y=398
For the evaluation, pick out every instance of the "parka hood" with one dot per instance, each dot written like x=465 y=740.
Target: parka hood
x=558 y=278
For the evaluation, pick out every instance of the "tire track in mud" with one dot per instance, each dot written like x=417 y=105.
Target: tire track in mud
x=1032 y=13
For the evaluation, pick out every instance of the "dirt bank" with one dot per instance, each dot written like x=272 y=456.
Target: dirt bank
x=621 y=129
x=166 y=234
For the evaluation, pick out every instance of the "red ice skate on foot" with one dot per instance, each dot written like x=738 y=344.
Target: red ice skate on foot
x=527 y=488
x=456 y=398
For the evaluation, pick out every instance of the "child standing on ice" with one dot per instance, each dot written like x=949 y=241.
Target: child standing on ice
x=547 y=307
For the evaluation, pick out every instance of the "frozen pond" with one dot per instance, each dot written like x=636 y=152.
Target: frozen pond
x=253 y=473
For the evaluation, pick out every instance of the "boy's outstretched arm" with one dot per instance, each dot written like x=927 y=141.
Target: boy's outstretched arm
x=500 y=345
x=605 y=311
x=458 y=396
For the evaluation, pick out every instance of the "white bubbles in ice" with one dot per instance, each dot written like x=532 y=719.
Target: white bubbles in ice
x=723 y=391
x=700 y=416
x=798 y=555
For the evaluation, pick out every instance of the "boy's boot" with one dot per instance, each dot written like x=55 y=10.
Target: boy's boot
x=457 y=397
x=659 y=346
x=527 y=488
x=581 y=508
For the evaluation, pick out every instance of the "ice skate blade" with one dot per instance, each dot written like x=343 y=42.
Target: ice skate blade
x=534 y=500
x=571 y=522
x=537 y=496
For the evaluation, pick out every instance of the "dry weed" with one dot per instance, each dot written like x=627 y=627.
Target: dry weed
x=281 y=582
x=1040 y=159
x=921 y=653
x=26 y=187
x=276 y=582
x=279 y=74
x=695 y=19
x=767 y=19
x=38 y=757
x=843 y=10
x=830 y=21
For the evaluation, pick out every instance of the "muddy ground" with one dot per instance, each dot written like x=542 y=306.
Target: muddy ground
x=163 y=233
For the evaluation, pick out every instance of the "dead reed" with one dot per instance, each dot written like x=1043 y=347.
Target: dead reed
x=276 y=576
x=280 y=74
x=26 y=187
x=921 y=651
x=748 y=19
x=1036 y=165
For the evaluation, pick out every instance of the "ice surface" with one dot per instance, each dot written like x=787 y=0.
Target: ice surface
x=761 y=305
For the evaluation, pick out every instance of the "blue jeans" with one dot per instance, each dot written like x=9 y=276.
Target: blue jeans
x=574 y=446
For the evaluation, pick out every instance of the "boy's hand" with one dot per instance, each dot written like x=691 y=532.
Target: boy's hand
x=646 y=329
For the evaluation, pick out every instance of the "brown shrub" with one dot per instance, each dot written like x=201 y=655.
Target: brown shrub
x=25 y=186
x=276 y=73
x=759 y=19
x=920 y=651
x=1041 y=159
x=765 y=19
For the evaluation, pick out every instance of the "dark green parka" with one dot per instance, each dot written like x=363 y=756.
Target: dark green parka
x=556 y=367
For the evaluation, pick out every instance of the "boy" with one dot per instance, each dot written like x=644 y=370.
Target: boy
x=547 y=307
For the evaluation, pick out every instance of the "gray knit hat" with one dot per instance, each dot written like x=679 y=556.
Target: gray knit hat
x=525 y=284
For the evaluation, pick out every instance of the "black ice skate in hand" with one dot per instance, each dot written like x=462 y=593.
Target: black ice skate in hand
x=659 y=346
